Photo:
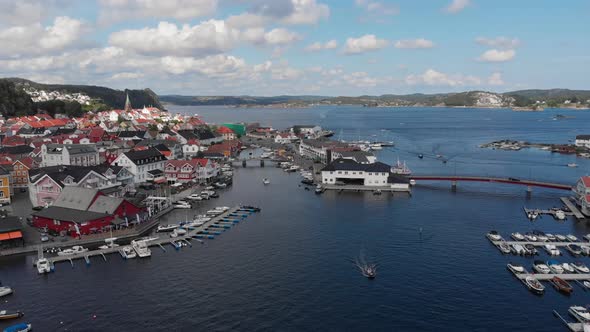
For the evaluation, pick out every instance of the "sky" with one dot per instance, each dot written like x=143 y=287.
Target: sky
x=298 y=47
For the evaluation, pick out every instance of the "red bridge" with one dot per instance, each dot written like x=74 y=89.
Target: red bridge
x=457 y=178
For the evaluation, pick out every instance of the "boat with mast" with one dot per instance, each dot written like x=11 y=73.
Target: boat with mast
x=401 y=168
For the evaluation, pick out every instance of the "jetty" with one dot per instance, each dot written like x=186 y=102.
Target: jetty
x=208 y=230
x=573 y=208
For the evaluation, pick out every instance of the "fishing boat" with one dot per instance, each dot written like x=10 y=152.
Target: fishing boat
x=555 y=266
x=141 y=248
x=571 y=238
x=43 y=266
x=22 y=327
x=561 y=285
x=580 y=267
x=127 y=252
x=181 y=205
x=575 y=250
x=504 y=247
x=550 y=237
x=580 y=313
x=494 y=236
x=5 y=290
x=541 y=267
x=560 y=238
x=534 y=285
x=401 y=169
x=518 y=249
x=559 y=215
x=568 y=268
x=515 y=268
x=166 y=228
x=74 y=250
x=265 y=181
x=552 y=250
x=5 y=315
x=517 y=236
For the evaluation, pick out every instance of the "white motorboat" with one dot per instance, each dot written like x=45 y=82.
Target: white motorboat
x=560 y=238
x=515 y=268
x=192 y=224
x=585 y=250
x=572 y=165
x=109 y=243
x=568 y=268
x=166 y=228
x=494 y=236
x=580 y=267
x=534 y=285
x=5 y=290
x=575 y=250
x=587 y=237
x=220 y=185
x=209 y=188
x=555 y=267
x=141 y=248
x=550 y=237
x=560 y=215
x=127 y=252
x=504 y=247
x=214 y=212
x=222 y=208
x=265 y=181
x=43 y=266
x=571 y=238
x=517 y=236
x=518 y=249
x=194 y=197
x=182 y=205
x=580 y=313
x=541 y=267
x=178 y=232
x=74 y=250
x=201 y=219
x=530 y=237
x=412 y=182
x=552 y=250
x=542 y=238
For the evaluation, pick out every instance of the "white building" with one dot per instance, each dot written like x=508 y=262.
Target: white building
x=69 y=154
x=361 y=157
x=349 y=172
x=309 y=131
x=582 y=191
x=583 y=141
x=139 y=163
x=321 y=150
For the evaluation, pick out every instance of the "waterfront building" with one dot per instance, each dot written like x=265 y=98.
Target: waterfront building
x=308 y=131
x=195 y=170
x=349 y=172
x=582 y=191
x=285 y=138
x=139 y=163
x=226 y=133
x=322 y=149
x=361 y=157
x=5 y=191
x=11 y=232
x=69 y=154
x=583 y=141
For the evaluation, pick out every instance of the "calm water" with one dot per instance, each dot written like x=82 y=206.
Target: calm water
x=288 y=268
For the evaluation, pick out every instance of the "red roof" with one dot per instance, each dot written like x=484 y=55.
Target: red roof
x=586 y=181
x=201 y=161
x=27 y=161
x=224 y=130
x=180 y=163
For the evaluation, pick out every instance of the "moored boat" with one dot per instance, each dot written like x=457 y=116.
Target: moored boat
x=5 y=315
x=541 y=267
x=561 y=285
x=531 y=237
x=141 y=248
x=575 y=250
x=504 y=247
x=580 y=313
x=74 y=250
x=560 y=215
x=555 y=266
x=580 y=267
x=530 y=249
x=560 y=238
x=494 y=236
x=22 y=327
x=515 y=268
x=182 y=205
x=127 y=252
x=552 y=250
x=534 y=285
x=568 y=268
x=43 y=266
x=571 y=238
x=166 y=228
x=5 y=290
x=550 y=237
x=517 y=236
x=518 y=249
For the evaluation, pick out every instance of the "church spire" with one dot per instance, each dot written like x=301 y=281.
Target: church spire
x=128 y=106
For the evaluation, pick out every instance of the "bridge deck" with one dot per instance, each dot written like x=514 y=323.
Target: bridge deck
x=514 y=181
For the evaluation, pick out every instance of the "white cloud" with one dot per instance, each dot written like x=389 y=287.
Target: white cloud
x=36 y=39
x=295 y=12
x=500 y=42
x=457 y=5
x=280 y=36
x=495 y=79
x=436 y=78
x=317 y=46
x=307 y=12
x=284 y=73
x=212 y=66
x=20 y=12
x=116 y=10
x=379 y=8
x=414 y=43
x=495 y=55
x=126 y=76
x=363 y=44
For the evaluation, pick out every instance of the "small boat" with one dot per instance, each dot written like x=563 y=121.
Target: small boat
x=369 y=271
x=517 y=236
x=560 y=238
x=572 y=165
x=22 y=327
x=178 y=232
x=494 y=236
x=5 y=290
x=194 y=197
x=542 y=238
x=220 y=185
x=560 y=215
x=214 y=212
x=127 y=252
x=5 y=315
x=308 y=182
x=534 y=285
x=265 y=181
x=552 y=250
x=250 y=207
x=587 y=237
x=504 y=247
x=580 y=313
x=73 y=251
x=571 y=238
x=530 y=237
x=182 y=205
x=412 y=182
x=515 y=268
x=420 y=156
x=541 y=267
x=43 y=266
x=377 y=192
x=109 y=243
x=550 y=237
x=586 y=283
x=561 y=285
x=575 y=250
x=568 y=268
x=319 y=189
x=222 y=208
x=585 y=250
x=530 y=249
x=166 y=228
x=580 y=267
x=201 y=219
x=555 y=266
x=518 y=249
x=141 y=248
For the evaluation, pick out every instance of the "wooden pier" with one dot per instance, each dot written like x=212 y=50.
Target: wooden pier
x=573 y=208
x=214 y=226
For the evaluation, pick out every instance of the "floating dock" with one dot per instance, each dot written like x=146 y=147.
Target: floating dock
x=573 y=208
x=549 y=212
x=205 y=231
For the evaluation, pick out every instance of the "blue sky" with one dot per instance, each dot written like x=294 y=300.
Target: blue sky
x=324 y=47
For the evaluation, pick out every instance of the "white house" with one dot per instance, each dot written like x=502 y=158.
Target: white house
x=69 y=154
x=583 y=141
x=285 y=138
x=139 y=163
x=309 y=131
x=582 y=191
x=361 y=157
x=350 y=172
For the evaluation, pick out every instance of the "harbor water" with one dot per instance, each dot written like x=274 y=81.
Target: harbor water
x=289 y=267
